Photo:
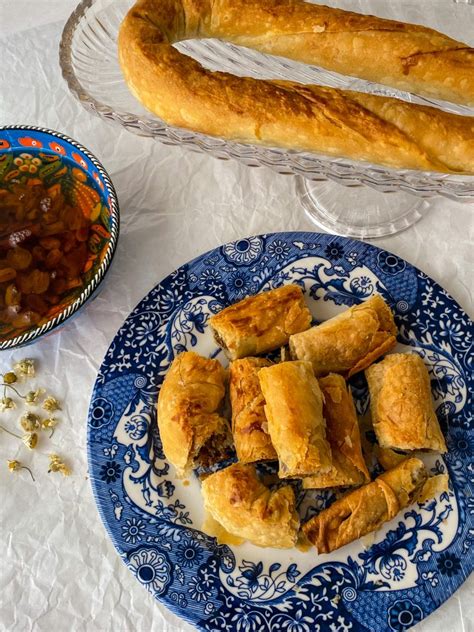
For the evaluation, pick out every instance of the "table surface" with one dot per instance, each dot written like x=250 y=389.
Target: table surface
x=58 y=569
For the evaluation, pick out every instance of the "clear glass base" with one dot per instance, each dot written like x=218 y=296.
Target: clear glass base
x=359 y=211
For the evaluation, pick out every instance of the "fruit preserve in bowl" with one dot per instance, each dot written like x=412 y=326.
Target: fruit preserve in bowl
x=59 y=225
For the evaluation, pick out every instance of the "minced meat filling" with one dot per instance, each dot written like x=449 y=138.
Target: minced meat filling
x=217 y=448
x=219 y=340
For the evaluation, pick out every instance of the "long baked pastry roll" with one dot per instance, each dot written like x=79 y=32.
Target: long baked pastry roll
x=350 y=341
x=246 y=508
x=311 y=118
x=410 y=57
x=249 y=423
x=262 y=322
x=365 y=509
x=294 y=410
x=401 y=405
x=342 y=431
x=192 y=430
x=407 y=56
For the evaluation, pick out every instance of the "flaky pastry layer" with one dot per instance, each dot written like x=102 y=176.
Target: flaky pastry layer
x=342 y=432
x=262 y=322
x=350 y=341
x=246 y=508
x=365 y=509
x=249 y=422
x=401 y=406
x=294 y=410
x=189 y=422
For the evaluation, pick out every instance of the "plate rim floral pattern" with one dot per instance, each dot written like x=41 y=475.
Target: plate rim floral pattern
x=162 y=551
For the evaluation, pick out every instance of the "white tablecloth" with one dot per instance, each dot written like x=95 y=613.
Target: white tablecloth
x=58 y=569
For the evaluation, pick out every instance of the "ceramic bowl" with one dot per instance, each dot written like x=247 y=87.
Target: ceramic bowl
x=33 y=155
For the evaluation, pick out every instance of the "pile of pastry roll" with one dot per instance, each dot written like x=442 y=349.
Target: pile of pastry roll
x=300 y=412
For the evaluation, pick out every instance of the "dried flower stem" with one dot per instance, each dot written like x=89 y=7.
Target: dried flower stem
x=5 y=386
x=10 y=432
x=14 y=466
x=23 y=467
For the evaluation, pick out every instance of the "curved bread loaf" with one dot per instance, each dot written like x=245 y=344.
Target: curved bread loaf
x=309 y=118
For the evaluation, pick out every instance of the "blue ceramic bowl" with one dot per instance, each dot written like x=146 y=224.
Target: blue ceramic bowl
x=33 y=155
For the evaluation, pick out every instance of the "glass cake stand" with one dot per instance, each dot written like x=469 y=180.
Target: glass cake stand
x=342 y=196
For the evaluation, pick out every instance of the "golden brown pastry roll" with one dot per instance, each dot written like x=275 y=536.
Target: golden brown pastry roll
x=237 y=499
x=350 y=341
x=249 y=423
x=294 y=410
x=261 y=323
x=191 y=428
x=365 y=509
x=342 y=431
x=400 y=404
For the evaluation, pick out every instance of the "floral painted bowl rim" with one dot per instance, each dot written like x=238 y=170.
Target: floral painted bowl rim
x=32 y=334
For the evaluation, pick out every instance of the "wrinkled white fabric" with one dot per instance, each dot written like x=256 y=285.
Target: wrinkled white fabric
x=58 y=569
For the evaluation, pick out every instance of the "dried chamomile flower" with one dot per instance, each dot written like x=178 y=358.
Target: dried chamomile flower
x=10 y=377
x=30 y=422
x=30 y=439
x=50 y=422
x=25 y=368
x=56 y=464
x=14 y=466
x=51 y=404
x=6 y=403
x=32 y=397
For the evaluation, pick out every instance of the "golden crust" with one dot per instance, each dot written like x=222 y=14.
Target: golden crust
x=365 y=509
x=388 y=458
x=400 y=403
x=294 y=410
x=237 y=499
x=350 y=341
x=188 y=403
x=310 y=118
x=408 y=56
x=249 y=423
x=342 y=430
x=262 y=322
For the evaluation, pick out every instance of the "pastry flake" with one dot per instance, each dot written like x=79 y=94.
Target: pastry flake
x=401 y=406
x=294 y=410
x=192 y=430
x=241 y=503
x=261 y=323
x=349 y=342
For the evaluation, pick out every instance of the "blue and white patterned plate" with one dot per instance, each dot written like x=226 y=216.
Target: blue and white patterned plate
x=411 y=566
